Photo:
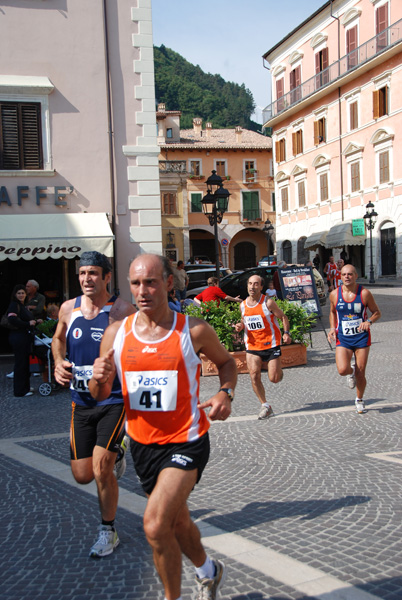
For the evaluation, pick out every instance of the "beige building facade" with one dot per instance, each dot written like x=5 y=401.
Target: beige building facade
x=336 y=116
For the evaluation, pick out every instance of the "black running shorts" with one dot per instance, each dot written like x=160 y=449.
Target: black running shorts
x=151 y=459
x=267 y=355
x=99 y=426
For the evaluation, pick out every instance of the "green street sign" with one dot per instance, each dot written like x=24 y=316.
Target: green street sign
x=358 y=227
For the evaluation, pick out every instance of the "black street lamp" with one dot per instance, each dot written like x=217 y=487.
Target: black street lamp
x=370 y=219
x=214 y=205
x=268 y=229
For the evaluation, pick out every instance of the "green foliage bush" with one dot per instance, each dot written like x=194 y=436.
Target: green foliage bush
x=300 y=322
x=222 y=318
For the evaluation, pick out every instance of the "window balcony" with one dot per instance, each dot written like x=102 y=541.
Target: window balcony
x=250 y=176
x=172 y=166
x=358 y=57
x=251 y=215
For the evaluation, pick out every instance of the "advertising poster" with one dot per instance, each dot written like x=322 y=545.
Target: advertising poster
x=298 y=286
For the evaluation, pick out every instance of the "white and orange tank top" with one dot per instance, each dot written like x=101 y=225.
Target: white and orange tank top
x=160 y=382
x=261 y=328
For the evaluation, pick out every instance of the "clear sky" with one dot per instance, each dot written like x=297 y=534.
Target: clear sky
x=229 y=37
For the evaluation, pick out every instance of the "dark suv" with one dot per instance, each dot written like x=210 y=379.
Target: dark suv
x=236 y=284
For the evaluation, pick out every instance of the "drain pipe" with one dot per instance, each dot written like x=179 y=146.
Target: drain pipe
x=111 y=145
x=340 y=113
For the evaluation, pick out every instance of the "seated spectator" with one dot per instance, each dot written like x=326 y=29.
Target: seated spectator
x=271 y=291
x=174 y=304
x=213 y=292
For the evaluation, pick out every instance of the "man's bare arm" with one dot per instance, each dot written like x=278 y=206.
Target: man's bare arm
x=104 y=368
x=59 y=345
x=279 y=314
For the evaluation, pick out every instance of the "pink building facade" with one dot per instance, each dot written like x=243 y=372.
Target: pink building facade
x=78 y=150
x=336 y=116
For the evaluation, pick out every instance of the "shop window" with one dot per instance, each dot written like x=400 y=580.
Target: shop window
x=285 y=199
x=355 y=177
x=280 y=150
x=20 y=136
x=196 y=202
x=169 y=204
x=384 y=166
x=324 y=187
x=297 y=142
x=320 y=135
x=380 y=102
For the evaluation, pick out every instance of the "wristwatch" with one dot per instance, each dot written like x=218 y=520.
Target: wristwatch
x=229 y=392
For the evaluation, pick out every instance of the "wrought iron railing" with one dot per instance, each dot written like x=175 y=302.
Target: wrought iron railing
x=367 y=51
x=251 y=215
x=172 y=166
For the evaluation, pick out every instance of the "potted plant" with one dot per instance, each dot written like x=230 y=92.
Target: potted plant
x=223 y=319
x=300 y=325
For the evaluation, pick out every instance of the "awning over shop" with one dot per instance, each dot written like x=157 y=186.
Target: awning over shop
x=54 y=235
x=341 y=235
x=315 y=239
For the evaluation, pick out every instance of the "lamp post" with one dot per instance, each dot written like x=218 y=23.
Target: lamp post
x=268 y=229
x=214 y=204
x=370 y=219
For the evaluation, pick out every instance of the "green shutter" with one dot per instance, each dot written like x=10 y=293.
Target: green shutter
x=251 y=209
x=196 y=203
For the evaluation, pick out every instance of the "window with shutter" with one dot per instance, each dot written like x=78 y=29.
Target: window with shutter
x=321 y=68
x=285 y=199
x=324 y=187
x=220 y=167
x=20 y=136
x=297 y=141
x=295 y=83
x=280 y=150
x=353 y=115
x=355 y=177
x=384 y=166
x=380 y=102
x=301 y=189
x=280 y=90
x=195 y=168
x=169 y=203
x=381 y=15
x=320 y=131
x=251 y=208
x=351 y=47
x=196 y=203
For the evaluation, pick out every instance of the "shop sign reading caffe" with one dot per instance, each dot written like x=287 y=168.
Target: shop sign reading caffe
x=38 y=193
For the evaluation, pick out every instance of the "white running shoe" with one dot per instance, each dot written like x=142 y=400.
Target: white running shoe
x=107 y=541
x=10 y=375
x=121 y=464
x=265 y=413
x=352 y=378
x=208 y=588
x=360 y=407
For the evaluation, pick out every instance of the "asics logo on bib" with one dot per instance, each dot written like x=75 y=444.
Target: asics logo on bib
x=150 y=381
x=83 y=372
x=150 y=350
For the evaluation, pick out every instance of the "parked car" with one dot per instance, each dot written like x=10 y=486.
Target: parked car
x=201 y=266
x=267 y=260
x=236 y=283
x=198 y=279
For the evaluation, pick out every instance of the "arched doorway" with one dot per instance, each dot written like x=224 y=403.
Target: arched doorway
x=287 y=251
x=302 y=253
x=244 y=256
x=388 y=249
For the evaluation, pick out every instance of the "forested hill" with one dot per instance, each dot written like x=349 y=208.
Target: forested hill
x=185 y=87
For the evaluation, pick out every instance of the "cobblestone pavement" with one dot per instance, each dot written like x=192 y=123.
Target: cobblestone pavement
x=304 y=506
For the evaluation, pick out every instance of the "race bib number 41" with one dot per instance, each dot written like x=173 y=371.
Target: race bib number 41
x=152 y=390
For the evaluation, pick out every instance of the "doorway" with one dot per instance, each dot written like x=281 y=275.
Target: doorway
x=244 y=256
x=388 y=249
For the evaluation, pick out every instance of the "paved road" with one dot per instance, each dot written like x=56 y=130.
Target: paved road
x=304 y=506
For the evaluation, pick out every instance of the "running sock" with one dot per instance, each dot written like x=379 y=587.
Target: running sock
x=267 y=404
x=111 y=523
x=208 y=569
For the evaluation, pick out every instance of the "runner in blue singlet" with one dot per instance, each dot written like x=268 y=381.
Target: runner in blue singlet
x=97 y=429
x=350 y=329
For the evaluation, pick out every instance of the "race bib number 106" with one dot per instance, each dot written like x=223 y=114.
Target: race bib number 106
x=152 y=390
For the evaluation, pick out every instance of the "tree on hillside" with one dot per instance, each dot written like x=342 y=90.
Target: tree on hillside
x=185 y=87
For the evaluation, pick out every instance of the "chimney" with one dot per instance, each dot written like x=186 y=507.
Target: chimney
x=161 y=107
x=197 y=125
x=238 y=133
x=208 y=129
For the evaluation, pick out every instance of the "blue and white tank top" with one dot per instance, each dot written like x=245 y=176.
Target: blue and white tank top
x=84 y=337
x=350 y=314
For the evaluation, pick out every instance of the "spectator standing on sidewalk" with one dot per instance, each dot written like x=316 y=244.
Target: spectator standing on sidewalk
x=97 y=429
x=35 y=302
x=351 y=330
x=155 y=354
x=180 y=281
x=262 y=338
